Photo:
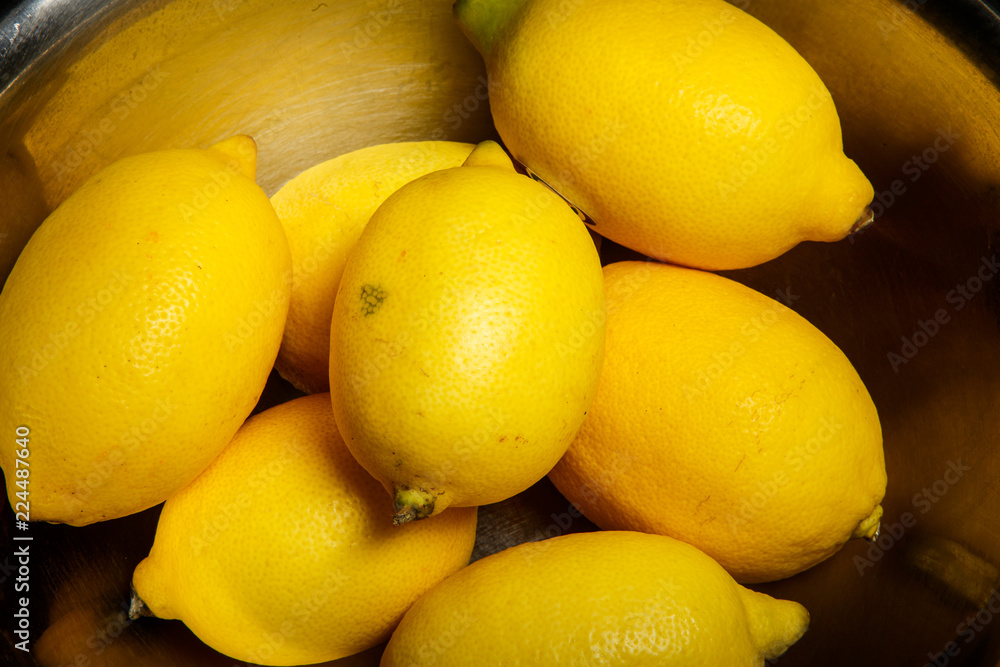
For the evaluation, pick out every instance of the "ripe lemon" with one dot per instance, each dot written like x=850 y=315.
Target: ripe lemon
x=604 y=598
x=139 y=326
x=687 y=130
x=323 y=210
x=467 y=336
x=726 y=420
x=281 y=552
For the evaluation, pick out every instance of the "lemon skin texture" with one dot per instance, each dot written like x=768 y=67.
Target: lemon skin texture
x=687 y=130
x=140 y=324
x=603 y=598
x=282 y=552
x=726 y=420
x=323 y=211
x=467 y=336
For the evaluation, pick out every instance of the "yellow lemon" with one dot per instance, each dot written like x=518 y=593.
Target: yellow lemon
x=323 y=210
x=139 y=327
x=467 y=336
x=726 y=420
x=603 y=598
x=282 y=553
x=687 y=130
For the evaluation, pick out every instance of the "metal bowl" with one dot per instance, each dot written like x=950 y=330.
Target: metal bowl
x=914 y=300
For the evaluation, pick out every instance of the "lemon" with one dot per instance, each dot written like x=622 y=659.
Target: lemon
x=281 y=552
x=604 y=598
x=726 y=420
x=139 y=326
x=687 y=130
x=467 y=336
x=323 y=210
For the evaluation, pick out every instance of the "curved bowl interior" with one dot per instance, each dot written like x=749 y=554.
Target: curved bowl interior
x=913 y=301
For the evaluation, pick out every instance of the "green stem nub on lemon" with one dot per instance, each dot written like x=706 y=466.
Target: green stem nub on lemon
x=411 y=504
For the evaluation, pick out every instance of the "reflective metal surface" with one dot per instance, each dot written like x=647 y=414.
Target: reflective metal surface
x=914 y=300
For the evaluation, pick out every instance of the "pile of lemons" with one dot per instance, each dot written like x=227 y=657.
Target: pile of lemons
x=457 y=338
